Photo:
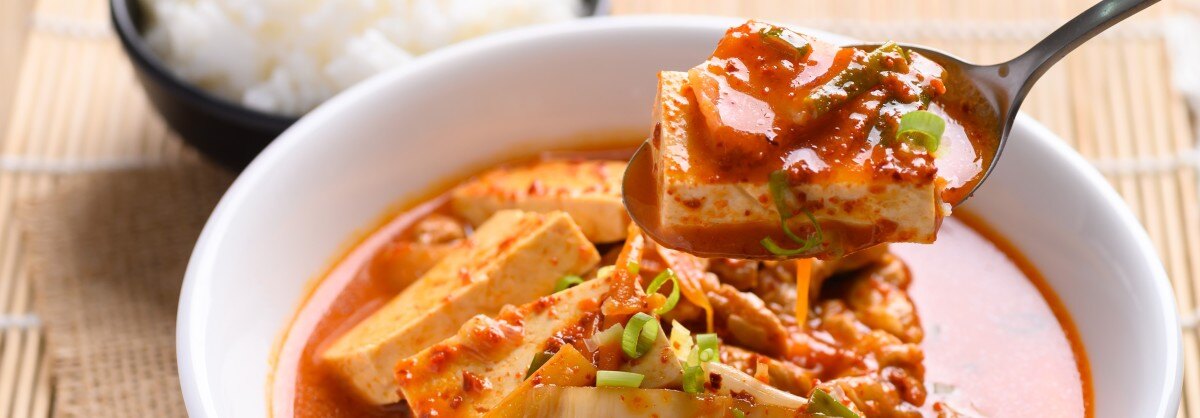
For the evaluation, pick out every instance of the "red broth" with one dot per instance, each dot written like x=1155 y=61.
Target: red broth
x=996 y=336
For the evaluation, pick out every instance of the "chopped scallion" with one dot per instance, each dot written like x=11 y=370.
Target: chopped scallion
x=612 y=335
x=613 y=378
x=567 y=282
x=632 y=267
x=693 y=379
x=657 y=283
x=737 y=413
x=787 y=39
x=922 y=127
x=539 y=359
x=639 y=335
x=822 y=404
x=777 y=183
x=708 y=345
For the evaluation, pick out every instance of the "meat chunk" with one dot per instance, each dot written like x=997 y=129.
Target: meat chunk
x=782 y=374
x=588 y=190
x=741 y=274
x=748 y=321
x=879 y=301
x=870 y=396
x=776 y=280
x=515 y=257
x=403 y=261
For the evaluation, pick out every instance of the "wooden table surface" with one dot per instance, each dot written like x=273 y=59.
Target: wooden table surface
x=69 y=106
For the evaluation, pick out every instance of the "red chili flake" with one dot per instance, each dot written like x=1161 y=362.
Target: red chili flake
x=536 y=188
x=693 y=203
x=742 y=396
x=441 y=354
x=714 y=381
x=474 y=384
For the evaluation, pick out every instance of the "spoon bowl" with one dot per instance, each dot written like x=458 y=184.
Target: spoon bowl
x=994 y=93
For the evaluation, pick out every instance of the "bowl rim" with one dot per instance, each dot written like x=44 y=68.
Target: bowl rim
x=139 y=51
x=190 y=320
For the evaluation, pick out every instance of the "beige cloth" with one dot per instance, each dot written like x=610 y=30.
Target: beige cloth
x=107 y=254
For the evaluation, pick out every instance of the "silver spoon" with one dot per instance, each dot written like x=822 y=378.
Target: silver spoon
x=1002 y=87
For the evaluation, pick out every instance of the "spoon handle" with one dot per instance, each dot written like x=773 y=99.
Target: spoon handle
x=1027 y=68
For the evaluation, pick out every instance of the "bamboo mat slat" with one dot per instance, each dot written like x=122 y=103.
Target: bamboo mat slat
x=69 y=104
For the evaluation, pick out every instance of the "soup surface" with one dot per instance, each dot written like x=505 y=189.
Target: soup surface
x=995 y=341
x=996 y=336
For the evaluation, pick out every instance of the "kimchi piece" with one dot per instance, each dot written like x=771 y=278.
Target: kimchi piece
x=782 y=146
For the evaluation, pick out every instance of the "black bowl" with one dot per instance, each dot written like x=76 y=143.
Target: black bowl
x=225 y=131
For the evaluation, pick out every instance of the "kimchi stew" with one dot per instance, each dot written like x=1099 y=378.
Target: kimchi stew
x=526 y=290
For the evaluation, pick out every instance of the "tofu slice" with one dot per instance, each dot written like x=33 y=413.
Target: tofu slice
x=470 y=373
x=568 y=367
x=890 y=211
x=514 y=257
x=588 y=190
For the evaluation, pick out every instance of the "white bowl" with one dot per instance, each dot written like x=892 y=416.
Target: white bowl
x=340 y=167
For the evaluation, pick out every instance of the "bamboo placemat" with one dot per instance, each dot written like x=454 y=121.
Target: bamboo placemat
x=69 y=106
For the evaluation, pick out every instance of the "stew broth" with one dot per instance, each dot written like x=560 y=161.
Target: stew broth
x=998 y=340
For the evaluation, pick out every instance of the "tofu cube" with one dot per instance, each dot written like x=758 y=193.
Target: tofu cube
x=588 y=190
x=514 y=257
x=890 y=211
x=470 y=373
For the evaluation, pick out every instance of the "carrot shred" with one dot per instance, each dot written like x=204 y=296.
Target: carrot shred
x=804 y=267
x=689 y=271
x=626 y=296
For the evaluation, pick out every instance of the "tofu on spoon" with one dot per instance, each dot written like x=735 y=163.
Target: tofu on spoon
x=782 y=146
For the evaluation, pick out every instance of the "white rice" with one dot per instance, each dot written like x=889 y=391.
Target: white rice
x=287 y=56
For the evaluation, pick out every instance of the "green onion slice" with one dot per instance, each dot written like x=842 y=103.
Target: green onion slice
x=567 y=282
x=922 y=127
x=777 y=183
x=539 y=360
x=782 y=37
x=658 y=281
x=632 y=267
x=613 y=378
x=639 y=335
x=822 y=404
x=693 y=379
x=708 y=346
x=737 y=413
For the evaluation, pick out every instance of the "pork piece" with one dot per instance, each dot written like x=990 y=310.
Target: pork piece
x=403 y=261
x=782 y=374
x=870 y=397
x=515 y=257
x=748 y=321
x=776 y=283
x=879 y=300
x=844 y=347
x=471 y=372
x=588 y=190
x=741 y=274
